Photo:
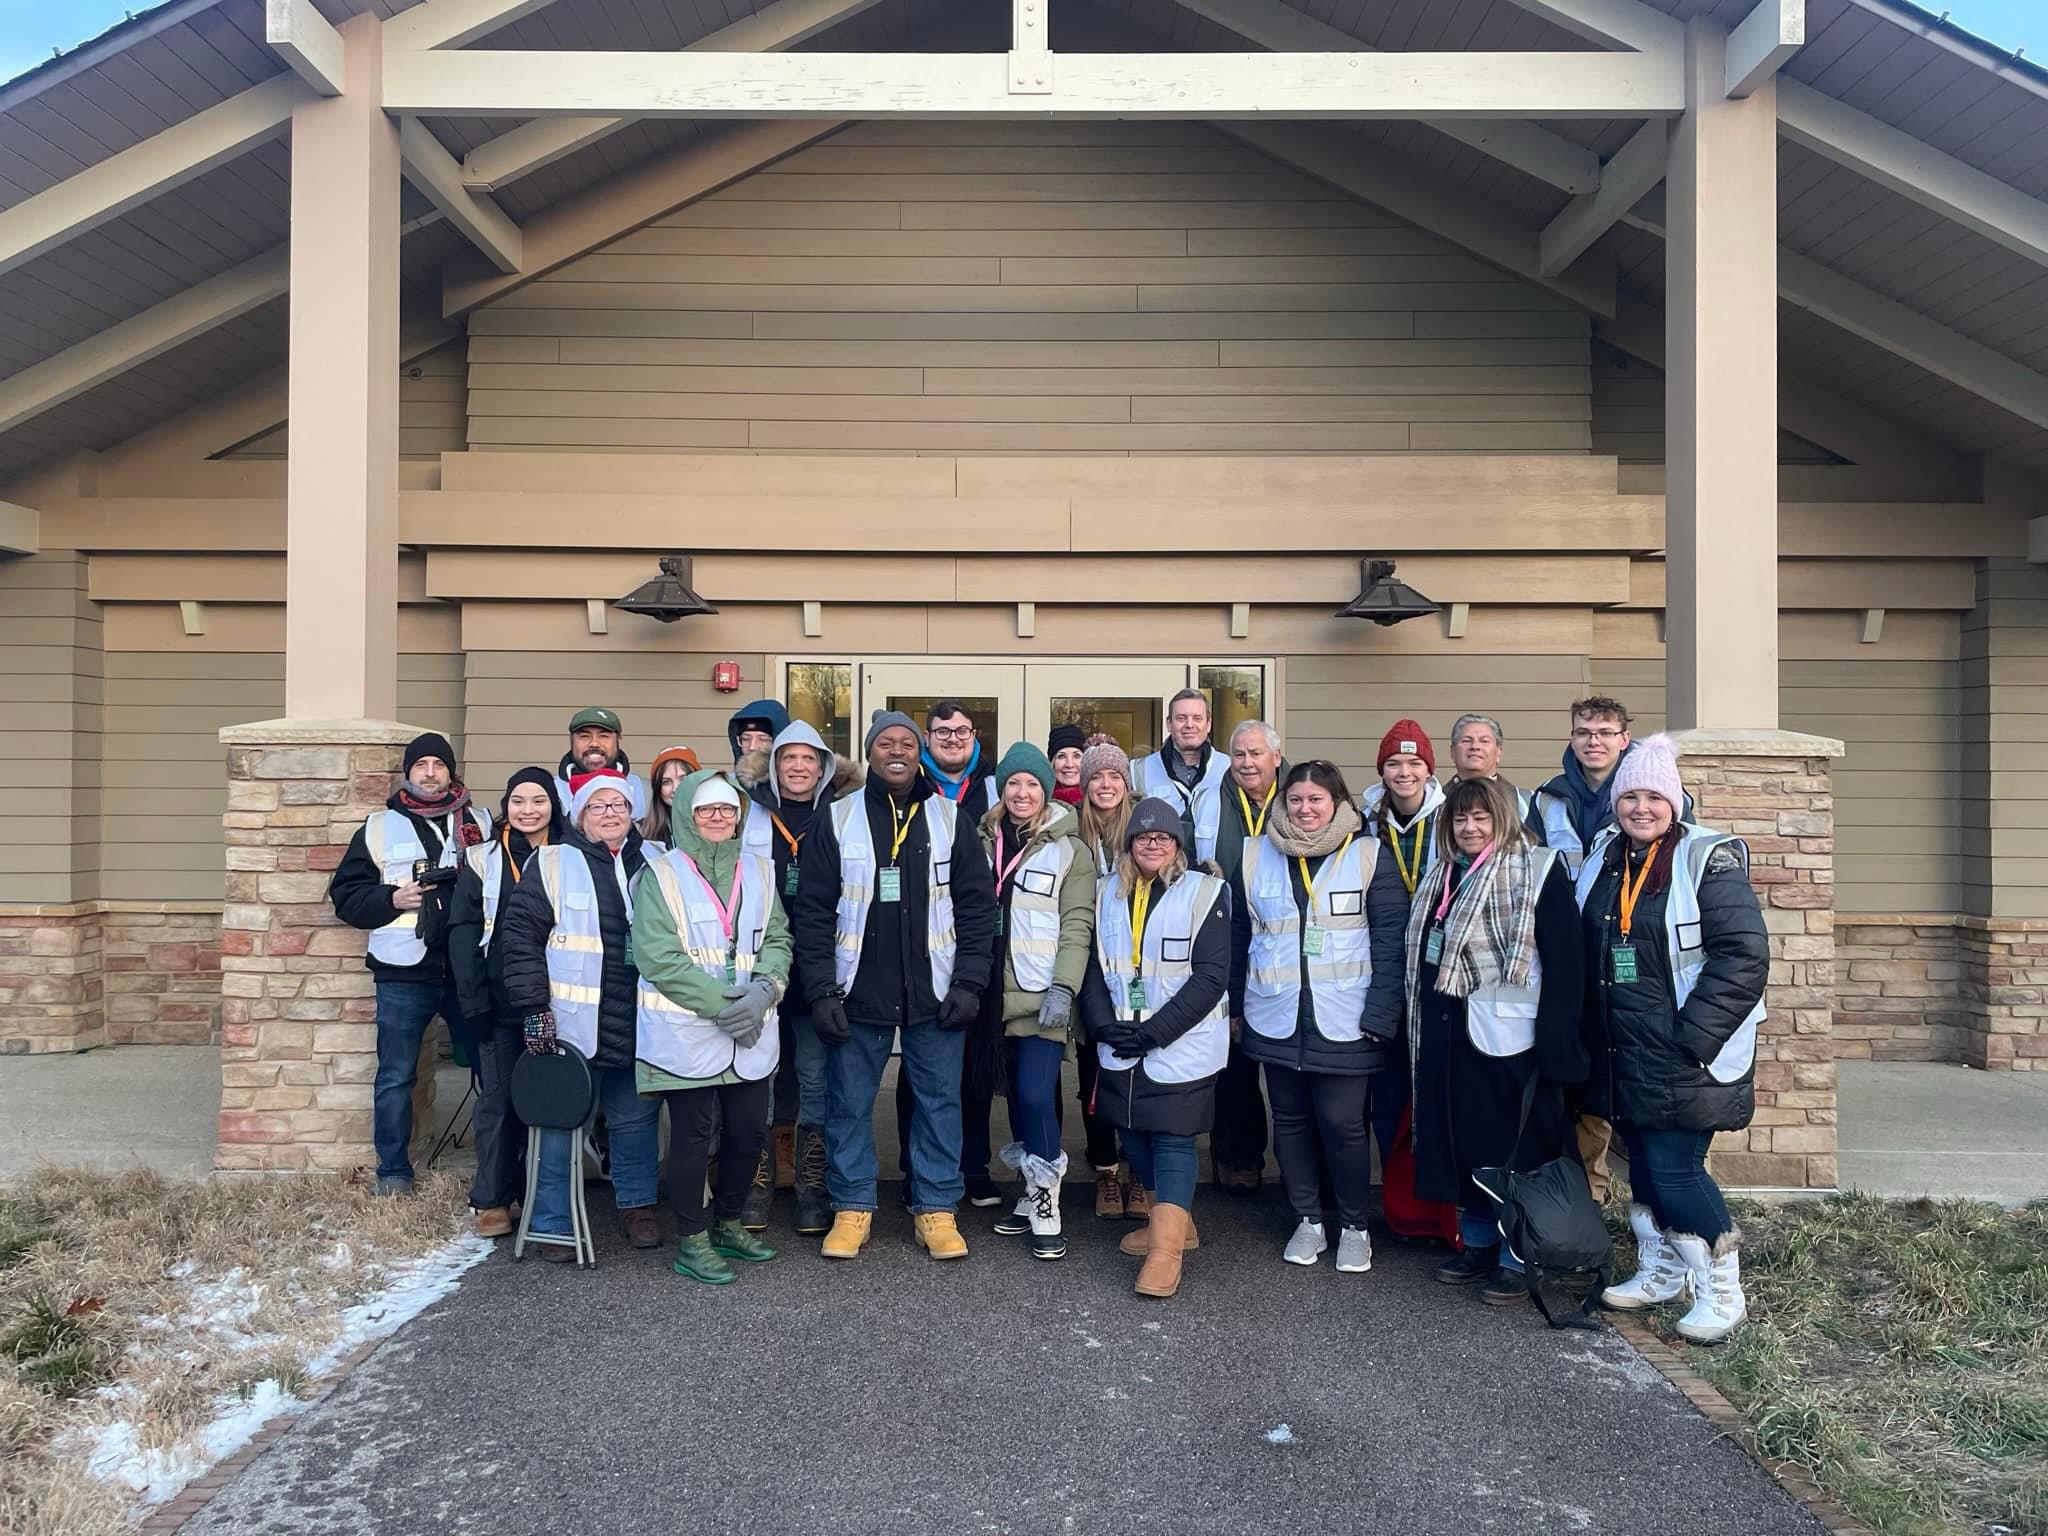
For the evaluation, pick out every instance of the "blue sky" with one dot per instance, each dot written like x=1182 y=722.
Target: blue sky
x=29 y=29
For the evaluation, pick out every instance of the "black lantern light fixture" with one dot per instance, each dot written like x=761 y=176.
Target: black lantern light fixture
x=1383 y=599
x=669 y=596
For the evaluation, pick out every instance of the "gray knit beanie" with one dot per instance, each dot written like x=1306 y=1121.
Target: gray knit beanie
x=1105 y=754
x=881 y=720
x=1155 y=815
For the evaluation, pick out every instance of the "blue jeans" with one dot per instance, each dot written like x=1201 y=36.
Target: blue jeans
x=809 y=1051
x=1667 y=1171
x=635 y=1143
x=1164 y=1164
x=932 y=1059
x=1479 y=1227
x=404 y=1010
x=1035 y=1094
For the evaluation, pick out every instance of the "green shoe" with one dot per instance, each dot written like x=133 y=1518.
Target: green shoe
x=696 y=1258
x=732 y=1239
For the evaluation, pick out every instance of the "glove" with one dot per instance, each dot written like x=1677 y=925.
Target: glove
x=958 y=1009
x=746 y=1009
x=1057 y=1008
x=539 y=1029
x=1123 y=1037
x=828 y=1018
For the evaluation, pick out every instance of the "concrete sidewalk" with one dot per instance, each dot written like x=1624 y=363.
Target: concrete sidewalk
x=1915 y=1128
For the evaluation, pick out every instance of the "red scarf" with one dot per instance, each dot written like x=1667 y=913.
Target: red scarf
x=1067 y=794
x=454 y=803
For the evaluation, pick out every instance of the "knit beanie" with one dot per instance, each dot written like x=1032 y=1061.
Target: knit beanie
x=684 y=755
x=716 y=790
x=1105 y=755
x=430 y=744
x=881 y=720
x=1405 y=737
x=1652 y=764
x=1155 y=815
x=1023 y=757
x=584 y=786
x=1063 y=737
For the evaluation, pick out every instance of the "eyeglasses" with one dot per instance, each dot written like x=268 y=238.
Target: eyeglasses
x=716 y=812
x=611 y=808
x=951 y=732
x=1153 y=840
x=1582 y=733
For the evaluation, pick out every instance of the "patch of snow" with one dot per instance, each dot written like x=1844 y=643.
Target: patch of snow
x=1280 y=1434
x=1616 y=1363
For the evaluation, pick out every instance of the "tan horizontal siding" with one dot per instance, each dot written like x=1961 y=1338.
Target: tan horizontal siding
x=52 y=714
x=1628 y=414
x=431 y=414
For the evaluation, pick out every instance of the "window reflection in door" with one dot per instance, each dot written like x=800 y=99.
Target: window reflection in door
x=820 y=693
x=1236 y=694
x=1134 y=723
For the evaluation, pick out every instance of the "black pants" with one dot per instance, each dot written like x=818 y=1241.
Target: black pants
x=1101 y=1134
x=1238 y=1138
x=1319 y=1126
x=500 y=1138
x=735 y=1117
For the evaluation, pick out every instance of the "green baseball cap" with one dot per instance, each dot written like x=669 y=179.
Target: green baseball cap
x=603 y=719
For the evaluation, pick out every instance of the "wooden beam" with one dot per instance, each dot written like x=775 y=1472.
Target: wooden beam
x=108 y=188
x=20 y=529
x=430 y=168
x=134 y=341
x=1761 y=43
x=525 y=149
x=1528 y=147
x=1636 y=167
x=307 y=41
x=486 y=83
x=455 y=23
x=1613 y=22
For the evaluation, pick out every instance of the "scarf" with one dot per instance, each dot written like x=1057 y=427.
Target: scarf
x=455 y=804
x=953 y=787
x=1068 y=794
x=1282 y=833
x=1490 y=924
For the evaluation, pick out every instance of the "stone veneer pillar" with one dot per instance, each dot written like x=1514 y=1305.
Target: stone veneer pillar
x=51 y=989
x=298 y=1008
x=1775 y=790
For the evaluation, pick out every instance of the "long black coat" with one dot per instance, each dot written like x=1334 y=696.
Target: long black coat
x=480 y=972
x=1649 y=1054
x=528 y=917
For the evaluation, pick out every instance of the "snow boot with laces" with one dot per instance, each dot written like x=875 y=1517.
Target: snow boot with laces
x=1715 y=1274
x=1660 y=1273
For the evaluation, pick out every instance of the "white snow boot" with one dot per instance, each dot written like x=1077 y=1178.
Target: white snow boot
x=1660 y=1273
x=1042 y=1182
x=1715 y=1275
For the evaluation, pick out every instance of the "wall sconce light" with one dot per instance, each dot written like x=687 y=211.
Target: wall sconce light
x=669 y=596
x=1383 y=599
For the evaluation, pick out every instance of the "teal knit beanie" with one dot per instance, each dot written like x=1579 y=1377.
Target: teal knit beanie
x=1023 y=757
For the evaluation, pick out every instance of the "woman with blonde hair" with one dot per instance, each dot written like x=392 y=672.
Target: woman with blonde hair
x=1495 y=976
x=1105 y=815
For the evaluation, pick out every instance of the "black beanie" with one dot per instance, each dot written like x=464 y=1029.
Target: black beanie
x=546 y=781
x=432 y=744
x=1064 y=736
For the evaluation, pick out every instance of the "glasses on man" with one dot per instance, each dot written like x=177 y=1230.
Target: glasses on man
x=951 y=732
x=717 y=812
x=1604 y=733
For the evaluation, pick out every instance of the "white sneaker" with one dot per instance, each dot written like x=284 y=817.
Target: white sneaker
x=1660 y=1273
x=1718 y=1304
x=1354 y=1251
x=1307 y=1244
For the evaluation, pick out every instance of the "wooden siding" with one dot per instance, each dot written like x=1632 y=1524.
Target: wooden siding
x=431 y=414
x=1030 y=288
x=1628 y=413
x=2004 y=782
x=50 y=714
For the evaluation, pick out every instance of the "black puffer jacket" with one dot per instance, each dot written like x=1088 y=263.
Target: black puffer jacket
x=527 y=918
x=1649 y=1055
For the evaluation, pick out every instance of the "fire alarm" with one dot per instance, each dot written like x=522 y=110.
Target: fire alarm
x=725 y=676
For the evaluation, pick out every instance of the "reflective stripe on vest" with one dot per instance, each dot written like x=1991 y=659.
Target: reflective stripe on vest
x=1559 y=832
x=1500 y=1019
x=1207 y=796
x=1169 y=952
x=575 y=951
x=1034 y=925
x=1685 y=940
x=1340 y=976
x=393 y=843
x=857 y=865
x=670 y=1036
x=487 y=860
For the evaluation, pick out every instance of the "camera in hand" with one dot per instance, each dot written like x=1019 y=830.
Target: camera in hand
x=430 y=875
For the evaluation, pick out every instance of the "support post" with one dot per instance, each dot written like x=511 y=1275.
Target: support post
x=341 y=571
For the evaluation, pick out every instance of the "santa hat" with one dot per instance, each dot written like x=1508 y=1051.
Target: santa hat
x=583 y=786
x=1651 y=764
x=1405 y=739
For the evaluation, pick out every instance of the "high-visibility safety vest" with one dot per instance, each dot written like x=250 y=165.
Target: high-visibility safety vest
x=1167 y=951
x=487 y=861
x=857 y=866
x=1554 y=814
x=673 y=1038
x=1338 y=976
x=1034 y=921
x=576 y=945
x=1384 y=821
x=1501 y=1019
x=1204 y=803
x=1685 y=939
x=393 y=843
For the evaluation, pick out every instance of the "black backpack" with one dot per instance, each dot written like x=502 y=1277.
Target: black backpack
x=1550 y=1220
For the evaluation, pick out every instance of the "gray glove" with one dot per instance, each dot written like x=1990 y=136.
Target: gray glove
x=747 y=1011
x=1057 y=1009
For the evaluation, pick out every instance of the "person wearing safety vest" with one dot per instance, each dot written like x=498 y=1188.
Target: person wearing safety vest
x=712 y=949
x=1106 y=806
x=1188 y=773
x=395 y=880
x=1675 y=944
x=1045 y=926
x=1156 y=1011
x=1316 y=976
x=1237 y=1146
x=894 y=917
x=1476 y=745
x=567 y=932
x=792 y=781
x=528 y=818
x=1495 y=976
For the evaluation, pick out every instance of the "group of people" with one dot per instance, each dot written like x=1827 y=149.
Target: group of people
x=1469 y=975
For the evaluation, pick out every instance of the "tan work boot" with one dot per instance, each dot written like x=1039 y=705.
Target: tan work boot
x=1109 y=1194
x=1138 y=1202
x=938 y=1234
x=1159 y=1275
x=849 y=1234
x=494 y=1221
x=1138 y=1241
x=784 y=1143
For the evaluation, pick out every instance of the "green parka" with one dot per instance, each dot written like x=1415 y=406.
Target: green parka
x=1077 y=919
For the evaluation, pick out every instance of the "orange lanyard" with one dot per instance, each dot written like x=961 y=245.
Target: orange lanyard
x=795 y=843
x=1629 y=894
x=505 y=842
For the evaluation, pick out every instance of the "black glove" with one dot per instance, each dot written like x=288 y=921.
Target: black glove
x=958 y=1009
x=1123 y=1037
x=828 y=1018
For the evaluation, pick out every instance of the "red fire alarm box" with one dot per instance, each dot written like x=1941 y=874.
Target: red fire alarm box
x=725 y=676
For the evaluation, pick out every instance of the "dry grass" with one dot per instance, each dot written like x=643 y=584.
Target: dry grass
x=126 y=1296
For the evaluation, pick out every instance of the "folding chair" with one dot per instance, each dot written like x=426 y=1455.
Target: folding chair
x=555 y=1093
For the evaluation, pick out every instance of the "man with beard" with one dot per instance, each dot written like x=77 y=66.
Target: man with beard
x=595 y=745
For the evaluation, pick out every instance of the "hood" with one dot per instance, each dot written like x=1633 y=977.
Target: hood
x=770 y=710
x=755 y=774
x=715 y=859
x=1374 y=803
x=948 y=781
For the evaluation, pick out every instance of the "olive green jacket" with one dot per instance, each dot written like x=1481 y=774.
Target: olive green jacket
x=1077 y=922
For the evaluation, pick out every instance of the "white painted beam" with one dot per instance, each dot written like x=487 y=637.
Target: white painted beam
x=1624 y=22
x=1030 y=48
x=489 y=83
x=307 y=41
x=1891 y=158
x=134 y=341
x=455 y=23
x=1636 y=167
x=1528 y=147
x=109 y=188
x=523 y=150
x=21 y=529
x=430 y=168
x=1761 y=43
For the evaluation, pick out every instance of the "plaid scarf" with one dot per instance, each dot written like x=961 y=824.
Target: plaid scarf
x=1489 y=931
x=454 y=803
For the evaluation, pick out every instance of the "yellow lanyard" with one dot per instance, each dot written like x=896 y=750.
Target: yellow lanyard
x=1628 y=893
x=902 y=825
x=1411 y=875
x=1328 y=864
x=1256 y=827
x=1141 y=903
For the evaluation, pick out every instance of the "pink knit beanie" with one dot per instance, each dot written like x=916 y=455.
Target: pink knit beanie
x=1652 y=764
x=1105 y=754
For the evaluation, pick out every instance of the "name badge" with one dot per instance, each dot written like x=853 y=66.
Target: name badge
x=1000 y=915
x=789 y=881
x=1623 y=957
x=1137 y=994
x=1312 y=941
x=1433 y=946
x=732 y=971
x=889 y=885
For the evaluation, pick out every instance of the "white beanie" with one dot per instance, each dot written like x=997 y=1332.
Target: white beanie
x=1651 y=764
x=716 y=790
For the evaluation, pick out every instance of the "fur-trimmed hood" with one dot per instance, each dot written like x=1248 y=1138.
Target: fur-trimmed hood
x=756 y=777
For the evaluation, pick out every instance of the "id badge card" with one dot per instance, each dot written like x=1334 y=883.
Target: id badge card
x=1137 y=994
x=1000 y=915
x=1312 y=941
x=1624 y=961
x=889 y=885
x=789 y=881
x=1433 y=946
x=732 y=972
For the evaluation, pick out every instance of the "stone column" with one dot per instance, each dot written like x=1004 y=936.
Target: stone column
x=51 y=997
x=1775 y=790
x=298 y=1008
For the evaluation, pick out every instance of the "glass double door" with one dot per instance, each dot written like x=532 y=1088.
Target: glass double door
x=1123 y=699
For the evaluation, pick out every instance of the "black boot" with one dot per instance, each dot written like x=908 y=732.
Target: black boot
x=813 y=1205
x=1469 y=1266
x=761 y=1193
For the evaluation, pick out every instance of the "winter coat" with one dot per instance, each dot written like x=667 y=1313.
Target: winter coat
x=974 y=790
x=1076 y=920
x=771 y=710
x=527 y=919
x=1648 y=1053
x=1232 y=830
x=756 y=777
x=362 y=899
x=1382 y=821
x=480 y=972
x=1586 y=809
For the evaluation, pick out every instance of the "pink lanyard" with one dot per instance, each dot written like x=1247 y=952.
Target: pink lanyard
x=1004 y=871
x=728 y=910
x=1444 y=905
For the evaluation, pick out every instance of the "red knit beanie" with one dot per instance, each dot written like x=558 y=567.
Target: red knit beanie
x=1405 y=737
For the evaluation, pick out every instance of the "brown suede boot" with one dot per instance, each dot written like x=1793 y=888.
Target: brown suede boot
x=1137 y=1202
x=785 y=1156
x=1159 y=1275
x=1138 y=1241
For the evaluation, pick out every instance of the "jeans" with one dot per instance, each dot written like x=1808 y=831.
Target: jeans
x=500 y=1138
x=1391 y=1090
x=732 y=1116
x=404 y=1010
x=1667 y=1171
x=808 y=1052
x=1035 y=1094
x=635 y=1144
x=1102 y=1150
x=1238 y=1139
x=976 y=1111
x=1164 y=1164
x=932 y=1059
x=1479 y=1227
x=1318 y=1126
